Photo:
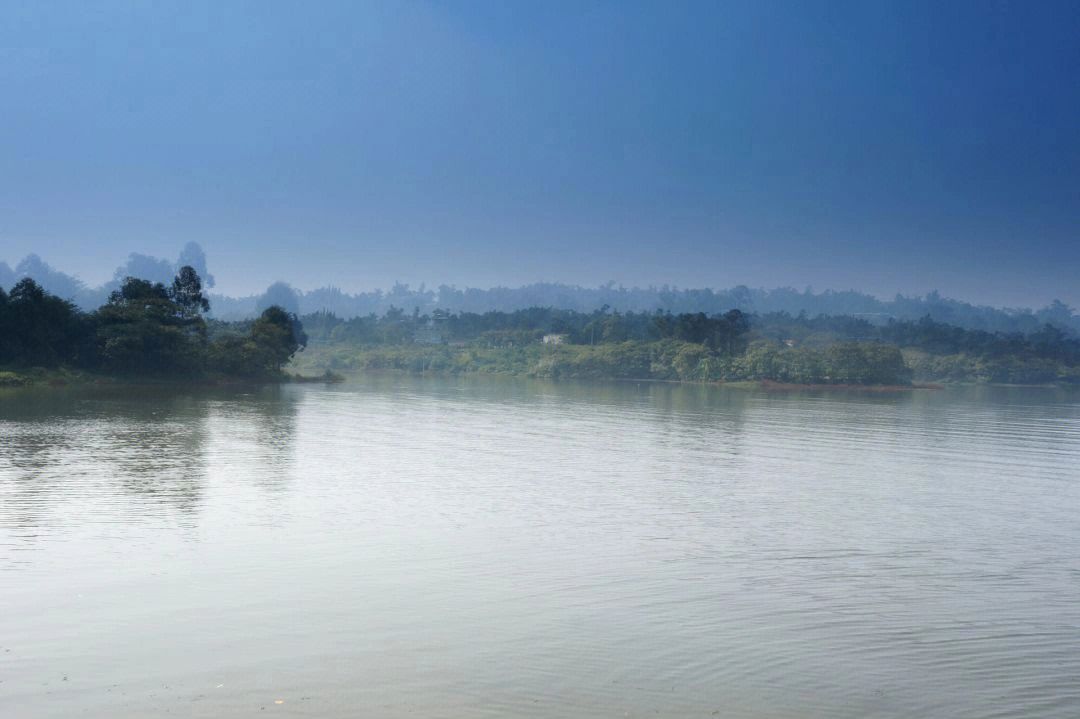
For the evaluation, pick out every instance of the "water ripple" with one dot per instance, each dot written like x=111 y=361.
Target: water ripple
x=461 y=548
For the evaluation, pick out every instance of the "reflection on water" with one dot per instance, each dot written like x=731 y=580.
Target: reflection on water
x=505 y=547
x=113 y=456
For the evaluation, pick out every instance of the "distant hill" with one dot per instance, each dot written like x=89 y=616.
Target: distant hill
x=560 y=296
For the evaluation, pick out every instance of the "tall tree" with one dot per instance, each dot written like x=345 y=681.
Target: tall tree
x=142 y=329
x=186 y=292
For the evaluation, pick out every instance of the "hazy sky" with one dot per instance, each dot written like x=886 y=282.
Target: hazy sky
x=880 y=146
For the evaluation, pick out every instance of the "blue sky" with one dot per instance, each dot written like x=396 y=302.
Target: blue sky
x=879 y=146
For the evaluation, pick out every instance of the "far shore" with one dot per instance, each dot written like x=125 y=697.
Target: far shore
x=57 y=378
x=61 y=378
x=772 y=385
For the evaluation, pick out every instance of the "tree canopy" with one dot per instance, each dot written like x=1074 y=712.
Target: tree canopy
x=144 y=327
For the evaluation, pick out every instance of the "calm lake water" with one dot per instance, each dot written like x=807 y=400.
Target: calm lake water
x=463 y=548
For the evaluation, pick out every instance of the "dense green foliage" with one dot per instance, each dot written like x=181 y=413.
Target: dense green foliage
x=659 y=360
x=144 y=328
x=560 y=343
x=37 y=328
x=689 y=346
x=725 y=332
x=269 y=343
x=940 y=352
x=149 y=328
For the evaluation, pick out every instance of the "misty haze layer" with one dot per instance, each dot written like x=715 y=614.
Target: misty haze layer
x=609 y=296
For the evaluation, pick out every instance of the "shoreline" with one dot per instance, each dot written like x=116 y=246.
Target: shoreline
x=61 y=378
x=775 y=386
x=66 y=378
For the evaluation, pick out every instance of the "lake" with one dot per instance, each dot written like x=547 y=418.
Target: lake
x=487 y=547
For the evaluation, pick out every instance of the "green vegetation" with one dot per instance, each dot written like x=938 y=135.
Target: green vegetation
x=144 y=329
x=565 y=344
x=939 y=352
x=151 y=330
x=660 y=360
x=727 y=347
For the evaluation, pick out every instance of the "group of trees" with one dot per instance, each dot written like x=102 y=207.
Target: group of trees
x=632 y=345
x=1047 y=341
x=722 y=332
x=670 y=359
x=939 y=351
x=144 y=327
x=151 y=327
x=861 y=363
x=698 y=346
x=40 y=329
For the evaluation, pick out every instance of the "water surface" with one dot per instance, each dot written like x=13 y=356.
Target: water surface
x=454 y=548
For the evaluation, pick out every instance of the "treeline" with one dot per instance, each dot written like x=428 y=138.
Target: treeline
x=662 y=345
x=560 y=343
x=858 y=363
x=937 y=351
x=727 y=331
x=144 y=328
x=730 y=331
x=148 y=327
x=585 y=300
x=847 y=363
x=1048 y=342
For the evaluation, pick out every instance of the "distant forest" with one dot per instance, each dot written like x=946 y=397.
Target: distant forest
x=150 y=328
x=727 y=346
x=616 y=298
